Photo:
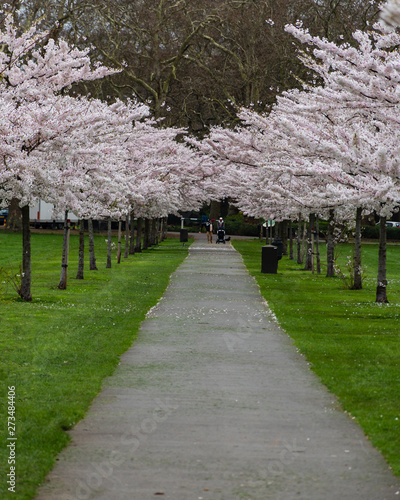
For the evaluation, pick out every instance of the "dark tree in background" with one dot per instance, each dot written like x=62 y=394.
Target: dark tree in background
x=193 y=60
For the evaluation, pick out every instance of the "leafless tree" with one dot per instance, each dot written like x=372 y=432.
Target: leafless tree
x=191 y=60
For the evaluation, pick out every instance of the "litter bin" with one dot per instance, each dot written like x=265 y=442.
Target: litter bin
x=279 y=245
x=184 y=236
x=269 y=259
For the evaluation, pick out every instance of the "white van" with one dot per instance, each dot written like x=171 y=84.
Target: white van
x=42 y=215
x=391 y=223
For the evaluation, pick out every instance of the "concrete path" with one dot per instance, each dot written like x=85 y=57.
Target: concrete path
x=213 y=402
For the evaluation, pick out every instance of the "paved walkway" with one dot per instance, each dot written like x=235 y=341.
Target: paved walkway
x=213 y=402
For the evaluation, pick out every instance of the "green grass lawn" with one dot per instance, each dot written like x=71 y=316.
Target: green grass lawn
x=352 y=343
x=57 y=349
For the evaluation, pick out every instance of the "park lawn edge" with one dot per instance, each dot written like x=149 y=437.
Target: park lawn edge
x=57 y=350
x=349 y=341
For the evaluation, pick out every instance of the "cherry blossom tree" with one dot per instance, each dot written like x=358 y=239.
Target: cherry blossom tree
x=308 y=155
x=341 y=136
x=365 y=82
x=343 y=132
x=33 y=69
x=84 y=165
x=164 y=176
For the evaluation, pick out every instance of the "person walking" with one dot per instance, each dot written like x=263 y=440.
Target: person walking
x=209 y=230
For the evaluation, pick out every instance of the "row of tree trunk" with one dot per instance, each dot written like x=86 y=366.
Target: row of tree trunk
x=148 y=233
x=308 y=248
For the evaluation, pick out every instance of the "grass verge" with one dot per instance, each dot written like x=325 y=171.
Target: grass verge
x=351 y=342
x=57 y=349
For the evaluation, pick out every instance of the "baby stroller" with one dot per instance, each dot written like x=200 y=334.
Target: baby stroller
x=220 y=236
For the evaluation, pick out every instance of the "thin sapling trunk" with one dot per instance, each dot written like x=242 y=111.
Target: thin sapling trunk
x=330 y=245
x=291 y=240
x=357 y=280
x=165 y=228
x=153 y=230
x=108 y=265
x=119 y=251
x=64 y=264
x=157 y=230
x=146 y=238
x=26 y=278
x=381 y=288
x=126 y=253
x=310 y=250
x=132 y=242
x=81 y=262
x=283 y=230
x=317 y=245
x=277 y=226
x=299 y=238
x=303 y=241
x=92 y=257
x=162 y=229
x=139 y=230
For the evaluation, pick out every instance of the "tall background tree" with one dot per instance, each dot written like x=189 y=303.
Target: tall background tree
x=190 y=59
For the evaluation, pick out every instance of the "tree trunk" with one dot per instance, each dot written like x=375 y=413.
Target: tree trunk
x=127 y=246
x=215 y=210
x=146 y=238
x=132 y=229
x=268 y=233
x=291 y=257
x=162 y=235
x=156 y=230
x=299 y=233
x=139 y=231
x=14 y=219
x=81 y=262
x=92 y=258
x=153 y=230
x=330 y=245
x=382 y=281
x=357 y=282
x=303 y=241
x=276 y=232
x=310 y=250
x=109 y=235
x=317 y=245
x=165 y=229
x=25 y=290
x=119 y=251
x=283 y=235
x=64 y=264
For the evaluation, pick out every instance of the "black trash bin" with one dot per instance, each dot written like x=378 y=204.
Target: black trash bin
x=269 y=259
x=184 y=236
x=279 y=245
